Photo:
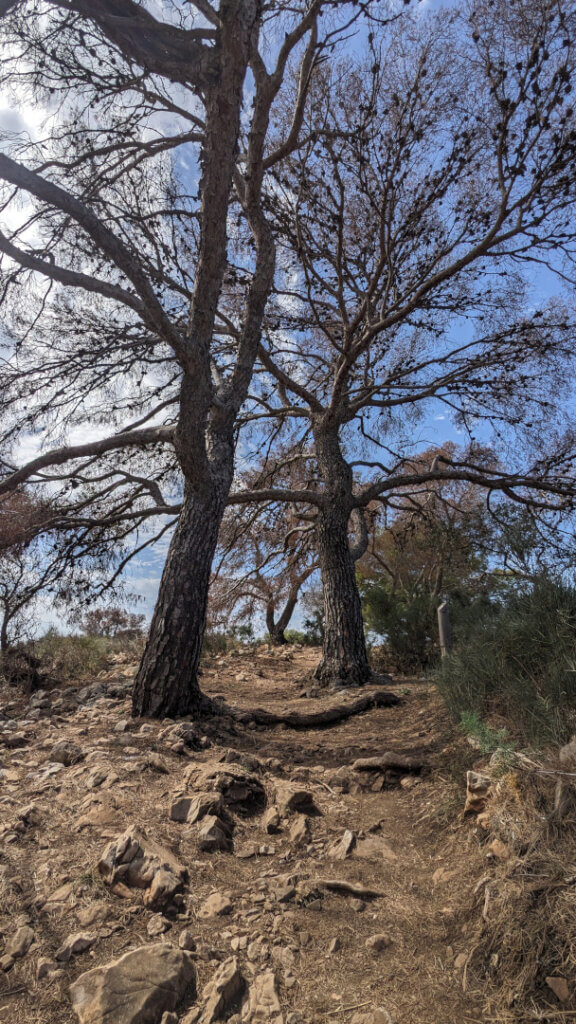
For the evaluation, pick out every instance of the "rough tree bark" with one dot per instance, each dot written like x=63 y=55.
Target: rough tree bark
x=344 y=660
x=276 y=626
x=167 y=680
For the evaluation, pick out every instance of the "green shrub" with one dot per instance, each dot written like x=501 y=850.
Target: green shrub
x=521 y=660
x=71 y=657
x=216 y=643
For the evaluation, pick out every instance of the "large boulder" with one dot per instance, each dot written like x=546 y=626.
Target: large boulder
x=136 y=989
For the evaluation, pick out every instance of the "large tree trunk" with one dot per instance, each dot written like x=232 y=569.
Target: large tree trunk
x=344 y=659
x=167 y=680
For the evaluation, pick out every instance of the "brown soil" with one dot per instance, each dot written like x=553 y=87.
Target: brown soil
x=428 y=871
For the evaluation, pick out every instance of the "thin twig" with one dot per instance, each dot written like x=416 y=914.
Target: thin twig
x=347 y=1009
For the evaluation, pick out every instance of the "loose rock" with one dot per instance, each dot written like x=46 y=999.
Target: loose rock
x=263 y=1003
x=136 y=989
x=223 y=991
x=135 y=860
x=74 y=945
x=217 y=905
x=20 y=942
x=67 y=753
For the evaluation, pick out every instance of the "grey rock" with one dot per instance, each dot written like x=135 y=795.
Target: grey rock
x=20 y=942
x=222 y=991
x=136 y=989
x=74 y=945
x=67 y=753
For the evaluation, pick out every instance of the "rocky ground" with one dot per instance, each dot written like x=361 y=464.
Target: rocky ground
x=162 y=872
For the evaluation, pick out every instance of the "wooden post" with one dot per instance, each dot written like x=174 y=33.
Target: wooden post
x=444 y=629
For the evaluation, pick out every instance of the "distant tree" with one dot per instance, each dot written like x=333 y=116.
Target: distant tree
x=108 y=621
x=439 y=173
x=265 y=557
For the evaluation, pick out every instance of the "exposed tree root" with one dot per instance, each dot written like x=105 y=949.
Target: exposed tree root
x=329 y=716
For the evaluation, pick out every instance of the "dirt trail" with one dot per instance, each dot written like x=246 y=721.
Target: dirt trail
x=411 y=845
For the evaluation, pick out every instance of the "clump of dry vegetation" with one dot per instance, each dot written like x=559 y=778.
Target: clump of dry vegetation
x=525 y=945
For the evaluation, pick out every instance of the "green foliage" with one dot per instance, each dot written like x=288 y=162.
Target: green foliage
x=521 y=659
x=71 y=657
x=298 y=636
x=488 y=739
x=216 y=642
x=407 y=624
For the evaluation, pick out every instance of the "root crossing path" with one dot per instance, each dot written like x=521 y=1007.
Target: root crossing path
x=340 y=884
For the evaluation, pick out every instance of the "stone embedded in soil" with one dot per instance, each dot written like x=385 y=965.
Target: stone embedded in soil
x=567 y=754
x=294 y=799
x=478 y=791
x=136 y=989
x=559 y=987
x=343 y=847
x=223 y=991
x=377 y=1016
x=241 y=790
x=374 y=848
x=300 y=830
x=378 y=942
x=20 y=942
x=157 y=925
x=263 y=1005
x=217 y=905
x=272 y=821
x=46 y=968
x=136 y=861
x=214 y=836
x=389 y=759
x=499 y=850
x=74 y=945
x=67 y=753
x=186 y=940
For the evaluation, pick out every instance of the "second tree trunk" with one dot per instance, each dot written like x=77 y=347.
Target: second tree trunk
x=344 y=659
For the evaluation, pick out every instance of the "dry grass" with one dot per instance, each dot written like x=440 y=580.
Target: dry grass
x=528 y=929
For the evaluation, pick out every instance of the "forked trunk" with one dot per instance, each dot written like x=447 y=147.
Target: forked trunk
x=344 y=659
x=166 y=684
x=276 y=627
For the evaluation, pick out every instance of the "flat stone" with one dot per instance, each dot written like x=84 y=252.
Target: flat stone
x=559 y=987
x=20 y=942
x=217 y=905
x=136 y=989
x=378 y=942
x=74 y=945
x=389 y=759
x=374 y=848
